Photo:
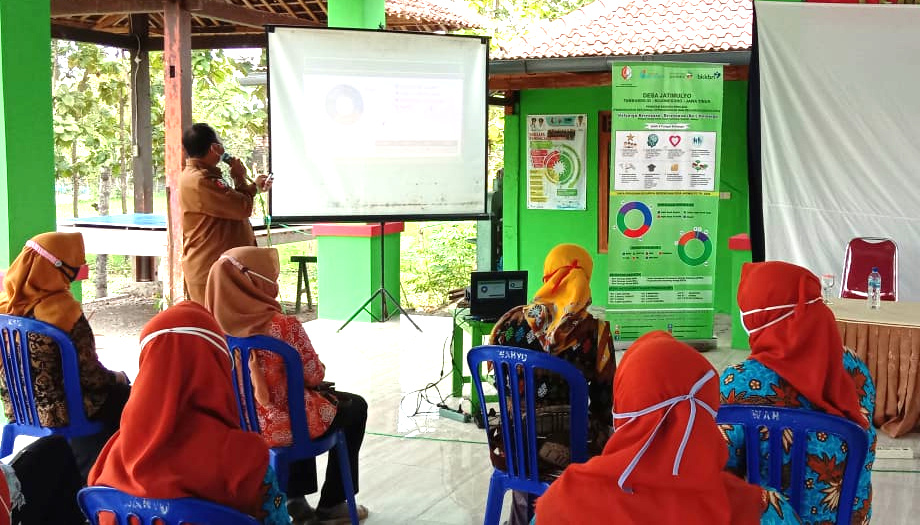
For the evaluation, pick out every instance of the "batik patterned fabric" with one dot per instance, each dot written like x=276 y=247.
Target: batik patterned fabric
x=777 y=510
x=275 y=418
x=274 y=504
x=751 y=383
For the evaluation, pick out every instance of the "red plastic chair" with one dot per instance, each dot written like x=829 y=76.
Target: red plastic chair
x=862 y=254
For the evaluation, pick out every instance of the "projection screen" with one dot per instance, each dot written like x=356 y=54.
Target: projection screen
x=375 y=125
x=840 y=125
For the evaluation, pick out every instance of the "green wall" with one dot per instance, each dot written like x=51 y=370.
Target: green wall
x=733 y=212
x=365 y=14
x=26 y=141
x=529 y=234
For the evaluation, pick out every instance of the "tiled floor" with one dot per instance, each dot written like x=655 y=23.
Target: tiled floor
x=425 y=469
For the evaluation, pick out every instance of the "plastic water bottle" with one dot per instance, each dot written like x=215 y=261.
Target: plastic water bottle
x=874 y=289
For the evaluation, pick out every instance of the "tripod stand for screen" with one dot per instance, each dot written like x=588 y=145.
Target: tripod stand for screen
x=383 y=293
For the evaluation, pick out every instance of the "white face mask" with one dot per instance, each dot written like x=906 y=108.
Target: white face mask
x=246 y=271
x=214 y=339
x=790 y=307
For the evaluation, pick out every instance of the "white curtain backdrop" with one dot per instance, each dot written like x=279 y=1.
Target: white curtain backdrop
x=840 y=124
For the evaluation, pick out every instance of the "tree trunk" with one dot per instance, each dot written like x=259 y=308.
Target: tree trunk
x=102 y=261
x=123 y=174
x=76 y=179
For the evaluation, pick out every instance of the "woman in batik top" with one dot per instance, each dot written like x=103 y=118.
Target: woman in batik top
x=242 y=291
x=798 y=361
x=557 y=322
x=37 y=286
x=664 y=463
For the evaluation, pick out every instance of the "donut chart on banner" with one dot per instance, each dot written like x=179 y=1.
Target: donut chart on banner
x=634 y=233
x=686 y=239
x=563 y=166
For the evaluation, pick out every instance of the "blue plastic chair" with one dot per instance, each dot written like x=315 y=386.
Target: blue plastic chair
x=17 y=372
x=515 y=366
x=303 y=446
x=801 y=422
x=94 y=500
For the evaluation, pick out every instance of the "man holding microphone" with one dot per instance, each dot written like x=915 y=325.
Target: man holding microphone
x=215 y=216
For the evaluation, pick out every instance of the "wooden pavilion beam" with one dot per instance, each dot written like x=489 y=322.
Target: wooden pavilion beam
x=241 y=40
x=220 y=10
x=67 y=8
x=77 y=34
x=214 y=9
x=177 y=29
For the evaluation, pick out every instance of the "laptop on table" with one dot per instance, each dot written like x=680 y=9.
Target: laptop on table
x=494 y=293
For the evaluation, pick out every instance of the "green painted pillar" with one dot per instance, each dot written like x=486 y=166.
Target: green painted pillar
x=26 y=140
x=348 y=268
x=740 y=246
x=363 y=14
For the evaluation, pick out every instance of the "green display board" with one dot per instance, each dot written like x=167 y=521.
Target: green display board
x=664 y=198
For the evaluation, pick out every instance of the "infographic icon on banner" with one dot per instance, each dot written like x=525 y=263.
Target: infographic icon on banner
x=697 y=240
x=634 y=233
x=672 y=161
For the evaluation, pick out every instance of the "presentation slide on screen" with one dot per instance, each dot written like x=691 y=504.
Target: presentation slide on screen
x=400 y=132
x=839 y=125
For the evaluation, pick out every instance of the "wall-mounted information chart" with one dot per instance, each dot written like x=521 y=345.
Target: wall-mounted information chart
x=664 y=201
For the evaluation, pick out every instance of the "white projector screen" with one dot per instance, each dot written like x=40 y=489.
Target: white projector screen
x=373 y=125
x=840 y=132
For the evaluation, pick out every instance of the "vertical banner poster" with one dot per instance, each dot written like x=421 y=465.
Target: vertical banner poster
x=556 y=162
x=664 y=198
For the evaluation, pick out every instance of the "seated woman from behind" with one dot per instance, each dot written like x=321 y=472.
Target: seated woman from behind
x=664 y=463
x=242 y=291
x=798 y=361
x=557 y=322
x=180 y=436
x=37 y=285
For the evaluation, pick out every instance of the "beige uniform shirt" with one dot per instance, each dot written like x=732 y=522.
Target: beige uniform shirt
x=215 y=218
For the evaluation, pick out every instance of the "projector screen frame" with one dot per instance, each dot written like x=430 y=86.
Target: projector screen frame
x=484 y=215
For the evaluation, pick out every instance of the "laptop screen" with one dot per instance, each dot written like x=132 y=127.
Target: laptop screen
x=494 y=293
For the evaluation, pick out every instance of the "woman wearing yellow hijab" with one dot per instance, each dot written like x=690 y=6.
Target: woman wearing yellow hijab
x=557 y=322
x=37 y=285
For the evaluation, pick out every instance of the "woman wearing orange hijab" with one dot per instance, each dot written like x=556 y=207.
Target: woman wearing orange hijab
x=798 y=361
x=180 y=434
x=557 y=322
x=37 y=285
x=241 y=292
x=664 y=463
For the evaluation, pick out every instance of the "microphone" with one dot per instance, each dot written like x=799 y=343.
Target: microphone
x=226 y=158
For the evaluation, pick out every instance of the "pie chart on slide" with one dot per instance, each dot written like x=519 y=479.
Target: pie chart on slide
x=634 y=233
x=696 y=240
x=344 y=104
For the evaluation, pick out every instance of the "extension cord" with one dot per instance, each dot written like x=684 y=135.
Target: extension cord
x=455 y=415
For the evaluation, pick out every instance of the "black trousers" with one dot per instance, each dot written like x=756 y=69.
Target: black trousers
x=86 y=448
x=350 y=417
x=50 y=480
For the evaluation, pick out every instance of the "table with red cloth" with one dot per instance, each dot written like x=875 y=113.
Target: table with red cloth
x=888 y=341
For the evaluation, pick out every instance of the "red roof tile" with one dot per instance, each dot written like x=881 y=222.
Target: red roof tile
x=637 y=27
x=447 y=12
